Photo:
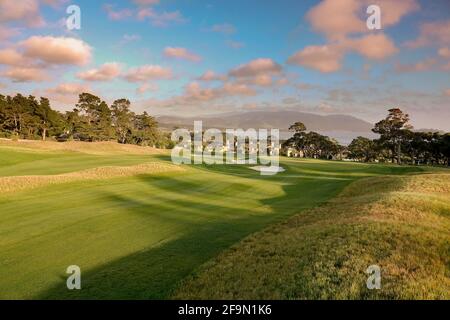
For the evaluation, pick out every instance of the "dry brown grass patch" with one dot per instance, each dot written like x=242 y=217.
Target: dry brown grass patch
x=14 y=184
x=401 y=223
x=96 y=148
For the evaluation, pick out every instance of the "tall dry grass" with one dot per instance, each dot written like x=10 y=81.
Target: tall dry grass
x=19 y=183
x=400 y=223
x=96 y=148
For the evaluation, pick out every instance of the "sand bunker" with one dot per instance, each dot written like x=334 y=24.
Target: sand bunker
x=268 y=170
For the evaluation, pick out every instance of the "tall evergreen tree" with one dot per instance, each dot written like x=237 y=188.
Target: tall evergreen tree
x=122 y=119
x=392 y=130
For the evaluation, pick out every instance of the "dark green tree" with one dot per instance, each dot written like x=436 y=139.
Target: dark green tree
x=362 y=149
x=48 y=119
x=96 y=117
x=146 y=131
x=122 y=119
x=391 y=131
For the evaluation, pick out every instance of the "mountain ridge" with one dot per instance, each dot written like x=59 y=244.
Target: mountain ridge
x=270 y=120
x=343 y=128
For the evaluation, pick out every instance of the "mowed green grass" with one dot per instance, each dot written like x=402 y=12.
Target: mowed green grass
x=140 y=236
x=31 y=162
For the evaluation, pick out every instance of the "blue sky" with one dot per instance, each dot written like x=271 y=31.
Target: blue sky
x=269 y=55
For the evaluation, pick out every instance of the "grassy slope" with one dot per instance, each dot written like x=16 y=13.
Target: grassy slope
x=23 y=162
x=401 y=224
x=139 y=236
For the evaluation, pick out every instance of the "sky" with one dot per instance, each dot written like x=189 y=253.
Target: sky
x=196 y=57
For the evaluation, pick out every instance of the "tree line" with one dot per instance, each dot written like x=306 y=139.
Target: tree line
x=397 y=143
x=91 y=120
x=310 y=144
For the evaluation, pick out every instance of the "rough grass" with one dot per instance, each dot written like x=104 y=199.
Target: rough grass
x=97 y=148
x=19 y=183
x=31 y=162
x=400 y=223
x=28 y=164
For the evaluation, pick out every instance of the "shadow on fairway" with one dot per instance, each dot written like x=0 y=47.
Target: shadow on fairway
x=156 y=272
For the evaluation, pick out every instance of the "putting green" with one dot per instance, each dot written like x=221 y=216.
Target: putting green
x=139 y=236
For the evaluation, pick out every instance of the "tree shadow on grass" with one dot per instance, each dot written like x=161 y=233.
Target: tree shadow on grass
x=154 y=273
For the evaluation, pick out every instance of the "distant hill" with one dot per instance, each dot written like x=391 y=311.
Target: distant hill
x=342 y=127
x=430 y=130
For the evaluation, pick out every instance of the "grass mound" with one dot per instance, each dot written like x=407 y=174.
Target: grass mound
x=400 y=223
x=19 y=183
x=97 y=148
